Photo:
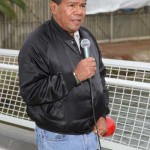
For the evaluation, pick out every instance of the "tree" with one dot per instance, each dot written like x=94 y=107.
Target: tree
x=6 y=7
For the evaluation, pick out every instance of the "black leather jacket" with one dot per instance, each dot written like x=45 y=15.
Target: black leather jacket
x=47 y=85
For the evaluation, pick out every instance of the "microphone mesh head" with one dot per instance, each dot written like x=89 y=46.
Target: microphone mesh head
x=85 y=43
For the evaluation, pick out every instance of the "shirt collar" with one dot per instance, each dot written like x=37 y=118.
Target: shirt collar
x=77 y=38
x=76 y=35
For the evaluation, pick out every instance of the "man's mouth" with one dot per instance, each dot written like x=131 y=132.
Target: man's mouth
x=76 y=21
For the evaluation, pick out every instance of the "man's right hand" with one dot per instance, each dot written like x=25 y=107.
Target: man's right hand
x=85 y=69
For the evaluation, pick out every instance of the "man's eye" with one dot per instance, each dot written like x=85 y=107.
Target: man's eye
x=71 y=5
x=83 y=5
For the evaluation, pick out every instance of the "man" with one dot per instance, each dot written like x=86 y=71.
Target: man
x=54 y=81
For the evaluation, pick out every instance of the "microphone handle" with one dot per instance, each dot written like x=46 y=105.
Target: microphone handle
x=86 y=52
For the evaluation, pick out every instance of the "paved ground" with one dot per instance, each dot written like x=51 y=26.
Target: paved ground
x=129 y=50
x=13 y=138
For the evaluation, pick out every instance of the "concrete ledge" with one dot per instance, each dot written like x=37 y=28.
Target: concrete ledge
x=15 y=138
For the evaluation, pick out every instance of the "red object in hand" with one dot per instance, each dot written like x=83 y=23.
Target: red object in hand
x=111 y=125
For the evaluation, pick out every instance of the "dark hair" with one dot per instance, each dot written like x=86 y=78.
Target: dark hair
x=57 y=1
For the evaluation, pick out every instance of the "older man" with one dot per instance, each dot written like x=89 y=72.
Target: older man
x=54 y=75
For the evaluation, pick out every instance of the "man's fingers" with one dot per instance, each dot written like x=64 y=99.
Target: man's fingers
x=90 y=59
x=100 y=131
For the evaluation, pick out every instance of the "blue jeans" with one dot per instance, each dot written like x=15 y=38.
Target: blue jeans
x=46 y=140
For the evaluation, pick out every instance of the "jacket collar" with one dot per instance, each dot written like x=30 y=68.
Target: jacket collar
x=60 y=31
x=64 y=35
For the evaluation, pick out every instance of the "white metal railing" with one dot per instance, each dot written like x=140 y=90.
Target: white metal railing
x=9 y=67
x=129 y=88
x=126 y=83
x=127 y=64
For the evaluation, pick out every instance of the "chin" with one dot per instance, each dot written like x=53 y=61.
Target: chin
x=75 y=29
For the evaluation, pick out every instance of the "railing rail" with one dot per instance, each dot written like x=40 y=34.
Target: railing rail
x=128 y=64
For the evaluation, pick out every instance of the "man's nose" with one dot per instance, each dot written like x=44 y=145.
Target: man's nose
x=79 y=10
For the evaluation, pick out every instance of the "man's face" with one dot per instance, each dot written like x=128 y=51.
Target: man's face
x=69 y=14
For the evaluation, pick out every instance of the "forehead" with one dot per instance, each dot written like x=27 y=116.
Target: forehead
x=74 y=1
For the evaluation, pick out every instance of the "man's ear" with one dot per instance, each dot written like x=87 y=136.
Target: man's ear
x=53 y=7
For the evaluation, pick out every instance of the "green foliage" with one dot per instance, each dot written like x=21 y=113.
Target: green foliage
x=6 y=7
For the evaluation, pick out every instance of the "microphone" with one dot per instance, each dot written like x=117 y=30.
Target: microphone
x=85 y=44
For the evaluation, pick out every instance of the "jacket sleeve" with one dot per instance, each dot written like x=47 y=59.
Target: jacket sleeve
x=102 y=71
x=37 y=84
x=105 y=90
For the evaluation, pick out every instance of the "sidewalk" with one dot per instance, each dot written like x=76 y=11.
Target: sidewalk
x=129 y=50
x=15 y=138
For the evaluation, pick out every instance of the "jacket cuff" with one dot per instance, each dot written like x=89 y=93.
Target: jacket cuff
x=77 y=79
x=70 y=80
x=103 y=115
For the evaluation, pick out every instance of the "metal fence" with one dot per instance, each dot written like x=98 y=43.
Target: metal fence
x=129 y=88
x=108 y=27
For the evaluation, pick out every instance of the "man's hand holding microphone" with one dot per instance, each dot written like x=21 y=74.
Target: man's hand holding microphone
x=86 y=68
